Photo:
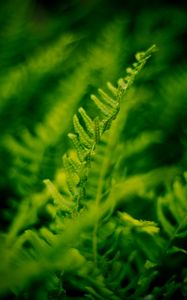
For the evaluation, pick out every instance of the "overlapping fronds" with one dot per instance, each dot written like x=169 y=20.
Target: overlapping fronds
x=85 y=140
x=98 y=213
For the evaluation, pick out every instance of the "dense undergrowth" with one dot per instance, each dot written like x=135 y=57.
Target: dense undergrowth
x=93 y=152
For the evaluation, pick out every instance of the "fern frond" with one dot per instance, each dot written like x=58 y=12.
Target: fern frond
x=18 y=80
x=109 y=108
x=172 y=210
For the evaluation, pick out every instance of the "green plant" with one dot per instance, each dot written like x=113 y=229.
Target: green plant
x=109 y=221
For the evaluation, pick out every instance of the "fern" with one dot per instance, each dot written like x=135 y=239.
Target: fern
x=30 y=152
x=85 y=142
x=85 y=145
x=66 y=221
x=109 y=221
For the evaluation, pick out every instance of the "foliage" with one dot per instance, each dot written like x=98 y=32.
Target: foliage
x=94 y=188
